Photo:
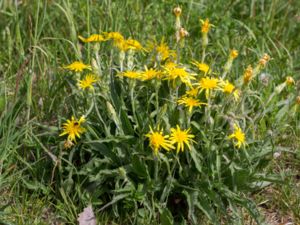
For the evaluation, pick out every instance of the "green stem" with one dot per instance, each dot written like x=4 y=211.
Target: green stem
x=157 y=103
x=203 y=54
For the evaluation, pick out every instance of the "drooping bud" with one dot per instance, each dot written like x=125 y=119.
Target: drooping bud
x=289 y=80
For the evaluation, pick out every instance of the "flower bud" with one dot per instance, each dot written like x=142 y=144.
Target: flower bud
x=233 y=54
x=205 y=26
x=177 y=11
x=298 y=100
x=289 y=80
x=248 y=74
x=263 y=61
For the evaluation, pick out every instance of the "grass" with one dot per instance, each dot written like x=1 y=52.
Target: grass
x=44 y=184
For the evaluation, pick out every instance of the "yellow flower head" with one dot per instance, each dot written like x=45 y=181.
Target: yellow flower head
x=149 y=74
x=236 y=94
x=205 y=26
x=233 y=54
x=162 y=49
x=238 y=135
x=125 y=45
x=190 y=102
x=115 y=36
x=193 y=92
x=201 y=66
x=181 y=73
x=134 y=44
x=208 y=84
x=263 y=61
x=177 y=11
x=92 y=38
x=248 y=74
x=226 y=86
x=181 y=138
x=131 y=74
x=170 y=65
x=87 y=82
x=158 y=140
x=77 y=66
x=73 y=128
x=289 y=80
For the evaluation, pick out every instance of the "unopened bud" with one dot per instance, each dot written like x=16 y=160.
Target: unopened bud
x=298 y=100
x=289 y=80
x=177 y=11
x=248 y=74
x=263 y=61
x=233 y=54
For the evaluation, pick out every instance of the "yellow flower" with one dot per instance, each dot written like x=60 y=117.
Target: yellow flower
x=205 y=26
x=181 y=137
x=158 y=140
x=87 y=82
x=92 y=38
x=78 y=66
x=177 y=72
x=115 y=36
x=192 y=92
x=134 y=44
x=170 y=65
x=248 y=74
x=190 y=102
x=233 y=54
x=289 y=80
x=121 y=45
x=238 y=135
x=149 y=74
x=73 y=128
x=125 y=45
x=131 y=74
x=162 y=49
x=208 y=84
x=177 y=11
x=226 y=86
x=236 y=94
x=201 y=66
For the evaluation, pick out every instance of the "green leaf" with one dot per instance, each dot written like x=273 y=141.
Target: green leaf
x=197 y=159
x=166 y=217
x=104 y=150
x=206 y=208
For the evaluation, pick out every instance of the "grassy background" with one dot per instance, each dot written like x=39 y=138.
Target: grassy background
x=38 y=37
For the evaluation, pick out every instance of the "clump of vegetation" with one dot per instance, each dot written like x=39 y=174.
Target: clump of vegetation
x=175 y=128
